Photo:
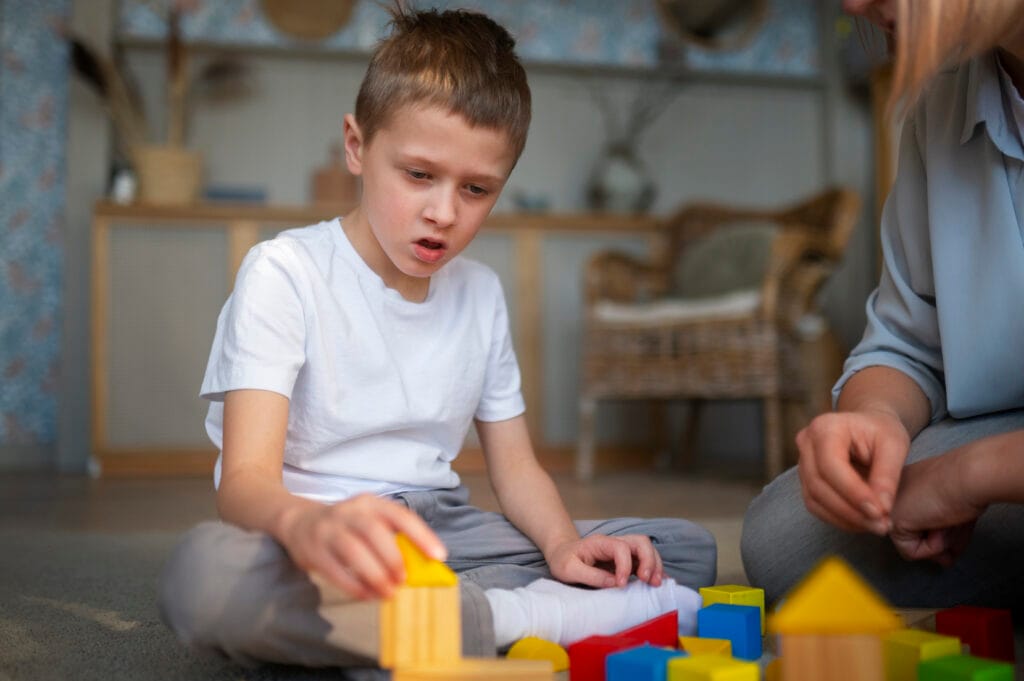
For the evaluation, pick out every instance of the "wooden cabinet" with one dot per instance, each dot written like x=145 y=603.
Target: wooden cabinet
x=161 y=274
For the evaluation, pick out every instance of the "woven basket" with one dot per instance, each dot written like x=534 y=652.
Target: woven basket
x=168 y=175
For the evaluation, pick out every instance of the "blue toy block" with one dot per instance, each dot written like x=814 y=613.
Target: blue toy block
x=645 y=663
x=741 y=624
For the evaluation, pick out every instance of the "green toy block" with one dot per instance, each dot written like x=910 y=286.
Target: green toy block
x=964 y=668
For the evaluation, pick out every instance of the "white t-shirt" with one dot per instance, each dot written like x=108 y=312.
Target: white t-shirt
x=382 y=390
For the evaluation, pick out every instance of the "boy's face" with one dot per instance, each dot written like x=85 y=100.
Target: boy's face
x=429 y=181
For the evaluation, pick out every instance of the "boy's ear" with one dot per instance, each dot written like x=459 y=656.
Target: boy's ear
x=353 y=145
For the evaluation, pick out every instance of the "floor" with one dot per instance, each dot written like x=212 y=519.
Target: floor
x=129 y=506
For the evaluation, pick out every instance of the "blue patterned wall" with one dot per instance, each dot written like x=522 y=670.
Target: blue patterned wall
x=579 y=32
x=33 y=124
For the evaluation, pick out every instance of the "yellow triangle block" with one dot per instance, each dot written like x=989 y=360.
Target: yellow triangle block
x=533 y=648
x=706 y=646
x=833 y=599
x=423 y=571
x=734 y=594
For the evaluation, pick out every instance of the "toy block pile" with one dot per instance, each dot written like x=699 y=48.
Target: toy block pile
x=832 y=627
x=421 y=630
x=726 y=648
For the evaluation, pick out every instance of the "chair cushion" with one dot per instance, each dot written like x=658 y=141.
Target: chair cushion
x=732 y=258
x=669 y=310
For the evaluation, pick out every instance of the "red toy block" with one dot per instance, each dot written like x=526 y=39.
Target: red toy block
x=587 y=657
x=662 y=631
x=988 y=631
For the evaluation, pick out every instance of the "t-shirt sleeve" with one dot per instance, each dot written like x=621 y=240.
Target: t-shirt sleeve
x=902 y=329
x=502 y=397
x=260 y=338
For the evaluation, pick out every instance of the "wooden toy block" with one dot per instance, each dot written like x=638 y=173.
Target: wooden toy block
x=988 y=632
x=735 y=595
x=903 y=650
x=833 y=599
x=741 y=624
x=848 y=657
x=420 y=626
x=587 y=656
x=830 y=627
x=533 y=648
x=471 y=669
x=964 y=668
x=662 y=630
x=695 y=645
x=711 y=668
x=644 y=663
x=421 y=570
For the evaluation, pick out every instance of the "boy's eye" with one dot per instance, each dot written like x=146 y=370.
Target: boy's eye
x=476 y=190
x=417 y=174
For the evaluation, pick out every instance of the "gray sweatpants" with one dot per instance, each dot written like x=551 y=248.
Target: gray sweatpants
x=237 y=593
x=782 y=541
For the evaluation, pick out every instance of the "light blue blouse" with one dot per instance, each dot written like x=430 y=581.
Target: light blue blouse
x=949 y=307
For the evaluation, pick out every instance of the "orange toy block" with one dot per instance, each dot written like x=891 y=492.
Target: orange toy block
x=420 y=626
x=734 y=595
x=695 y=645
x=470 y=669
x=533 y=648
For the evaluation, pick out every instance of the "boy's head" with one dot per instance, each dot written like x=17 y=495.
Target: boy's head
x=459 y=61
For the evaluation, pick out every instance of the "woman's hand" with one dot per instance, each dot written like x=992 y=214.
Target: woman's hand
x=352 y=543
x=850 y=464
x=602 y=561
x=935 y=513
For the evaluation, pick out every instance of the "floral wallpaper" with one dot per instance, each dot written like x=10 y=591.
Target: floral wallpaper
x=33 y=114
x=576 y=32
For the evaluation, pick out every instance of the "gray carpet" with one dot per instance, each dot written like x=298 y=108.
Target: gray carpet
x=82 y=606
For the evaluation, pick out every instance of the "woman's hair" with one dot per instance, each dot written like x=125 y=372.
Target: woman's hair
x=933 y=34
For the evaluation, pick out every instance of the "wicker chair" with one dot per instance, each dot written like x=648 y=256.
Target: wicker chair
x=640 y=343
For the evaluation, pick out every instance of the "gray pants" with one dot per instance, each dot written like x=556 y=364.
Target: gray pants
x=237 y=593
x=782 y=541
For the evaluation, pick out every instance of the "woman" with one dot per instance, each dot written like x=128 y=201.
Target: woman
x=918 y=475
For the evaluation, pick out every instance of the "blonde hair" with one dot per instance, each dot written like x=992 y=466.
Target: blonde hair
x=934 y=34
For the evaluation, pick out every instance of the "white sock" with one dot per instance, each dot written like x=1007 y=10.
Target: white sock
x=565 y=614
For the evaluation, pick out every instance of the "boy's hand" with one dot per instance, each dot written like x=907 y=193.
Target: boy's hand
x=577 y=561
x=352 y=543
x=934 y=513
x=850 y=465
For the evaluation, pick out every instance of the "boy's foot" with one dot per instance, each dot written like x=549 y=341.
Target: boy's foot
x=558 y=612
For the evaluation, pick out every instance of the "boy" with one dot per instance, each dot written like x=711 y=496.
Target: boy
x=348 y=363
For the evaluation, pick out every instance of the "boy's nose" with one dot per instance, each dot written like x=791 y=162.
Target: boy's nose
x=440 y=210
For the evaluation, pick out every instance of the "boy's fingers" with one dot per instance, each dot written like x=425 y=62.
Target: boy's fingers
x=408 y=523
x=342 y=578
x=590 y=576
x=647 y=558
x=364 y=566
x=381 y=541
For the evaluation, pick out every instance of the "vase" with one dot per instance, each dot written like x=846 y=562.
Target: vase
x=168 y=175
x=619 y=183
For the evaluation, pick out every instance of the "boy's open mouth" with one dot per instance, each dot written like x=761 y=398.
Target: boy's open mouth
x=432 y=245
